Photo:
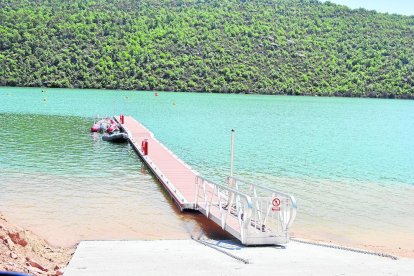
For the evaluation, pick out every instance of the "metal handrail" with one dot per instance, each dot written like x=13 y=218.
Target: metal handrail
x=261 y=187
x=227 y=202
x=287 y=215
x=248 y=199
x=259 y=219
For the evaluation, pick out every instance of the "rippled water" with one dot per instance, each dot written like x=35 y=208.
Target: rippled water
x=67 y=184
x=349 y=162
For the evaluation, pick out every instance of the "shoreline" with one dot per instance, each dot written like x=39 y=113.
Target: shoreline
x=365 y=96
x=27 y=252
x=213 y=231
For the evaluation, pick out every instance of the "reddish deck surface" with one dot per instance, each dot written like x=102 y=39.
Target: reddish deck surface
x=180 y=181
x=177 y=177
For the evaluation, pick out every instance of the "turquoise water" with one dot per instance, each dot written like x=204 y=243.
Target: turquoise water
x=349 y=162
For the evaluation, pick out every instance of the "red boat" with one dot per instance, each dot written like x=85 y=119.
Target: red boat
x=105 y=125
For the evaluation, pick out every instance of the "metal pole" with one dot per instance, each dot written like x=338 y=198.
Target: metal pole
x=114 y=107
x=232 y=153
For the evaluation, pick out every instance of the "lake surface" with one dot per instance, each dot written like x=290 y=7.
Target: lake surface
x=348 y=162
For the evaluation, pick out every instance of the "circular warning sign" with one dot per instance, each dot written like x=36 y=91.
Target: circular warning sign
x=276 y=204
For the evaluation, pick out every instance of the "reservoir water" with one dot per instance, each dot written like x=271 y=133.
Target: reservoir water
x=348 y=162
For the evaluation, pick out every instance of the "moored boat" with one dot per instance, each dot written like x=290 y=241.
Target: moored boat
x=99 y=126
x=116 y=137
x=112 y=128
x=105 y=125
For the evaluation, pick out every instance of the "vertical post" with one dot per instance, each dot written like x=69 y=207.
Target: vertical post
x=232 y=153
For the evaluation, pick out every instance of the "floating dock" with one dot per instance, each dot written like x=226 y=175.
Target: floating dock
x=252 y=213
x=176 y=176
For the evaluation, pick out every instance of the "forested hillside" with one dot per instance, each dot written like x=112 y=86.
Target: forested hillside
x=251 y=46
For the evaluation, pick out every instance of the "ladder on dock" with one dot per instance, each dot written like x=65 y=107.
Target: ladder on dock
x=254 y=214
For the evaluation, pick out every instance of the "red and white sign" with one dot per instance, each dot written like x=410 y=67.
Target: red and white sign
x=276 y=204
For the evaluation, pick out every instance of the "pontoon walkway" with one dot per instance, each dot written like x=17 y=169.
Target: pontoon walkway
x=176 y=176
x=252 y=213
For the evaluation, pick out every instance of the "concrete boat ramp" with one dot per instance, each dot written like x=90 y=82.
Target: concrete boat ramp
x=209 y=257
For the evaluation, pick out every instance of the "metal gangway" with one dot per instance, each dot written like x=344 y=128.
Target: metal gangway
x=254 y=214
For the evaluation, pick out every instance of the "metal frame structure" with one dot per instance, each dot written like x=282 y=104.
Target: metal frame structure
x=247 y=211
x=273 y=211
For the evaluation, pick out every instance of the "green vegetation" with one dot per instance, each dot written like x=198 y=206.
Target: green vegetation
x=252 y=46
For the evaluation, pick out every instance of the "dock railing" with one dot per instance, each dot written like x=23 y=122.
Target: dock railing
x=252 y=213
x=227 y=207
x=273 y=211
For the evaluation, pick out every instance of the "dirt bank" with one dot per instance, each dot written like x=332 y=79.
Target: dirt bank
x=23 y=251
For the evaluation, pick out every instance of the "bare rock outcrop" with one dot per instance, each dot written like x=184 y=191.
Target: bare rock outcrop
x=23 y=251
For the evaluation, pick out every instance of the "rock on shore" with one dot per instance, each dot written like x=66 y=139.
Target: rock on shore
x=23 y=251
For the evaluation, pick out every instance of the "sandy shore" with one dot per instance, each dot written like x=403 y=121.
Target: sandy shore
x=22 y=251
